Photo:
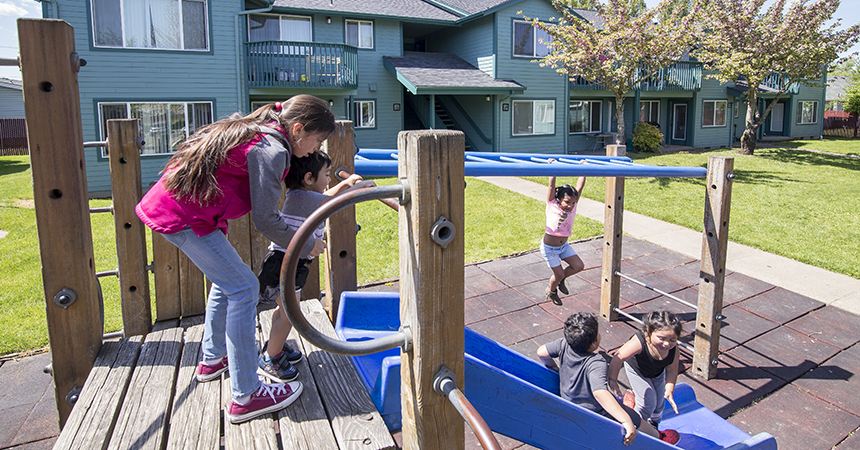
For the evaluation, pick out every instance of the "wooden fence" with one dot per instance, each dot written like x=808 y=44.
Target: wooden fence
x=840 y=127
x=13 y=137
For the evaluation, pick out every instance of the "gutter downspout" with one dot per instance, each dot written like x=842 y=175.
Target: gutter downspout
x=241 y=100
x=55 y=6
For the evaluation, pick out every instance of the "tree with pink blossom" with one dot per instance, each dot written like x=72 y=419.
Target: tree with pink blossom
x=783 y=45
x=622 y=49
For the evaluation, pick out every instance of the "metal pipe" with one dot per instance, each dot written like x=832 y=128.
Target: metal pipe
x=444 y=385
x=107 y=273
x=682 y=344
x=290 y=303
x=95 y=144
x=103 y=209
x=656 y=290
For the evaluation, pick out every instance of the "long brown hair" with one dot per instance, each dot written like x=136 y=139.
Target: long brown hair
x=190 y=173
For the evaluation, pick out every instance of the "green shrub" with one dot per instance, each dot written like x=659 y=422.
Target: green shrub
x=646 y=137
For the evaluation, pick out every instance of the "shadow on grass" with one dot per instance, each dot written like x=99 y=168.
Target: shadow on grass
x=8 y=167
x=803 y=157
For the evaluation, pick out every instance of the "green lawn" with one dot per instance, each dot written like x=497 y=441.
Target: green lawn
x=844 y=146
x=799 y=204
x=497 y=223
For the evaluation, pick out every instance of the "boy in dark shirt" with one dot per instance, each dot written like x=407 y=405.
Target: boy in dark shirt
x=582 y=374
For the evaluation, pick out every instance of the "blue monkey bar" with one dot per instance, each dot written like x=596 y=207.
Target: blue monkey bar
x=383 y=163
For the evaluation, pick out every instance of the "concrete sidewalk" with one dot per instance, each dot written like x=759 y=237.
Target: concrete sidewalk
x=827 y=287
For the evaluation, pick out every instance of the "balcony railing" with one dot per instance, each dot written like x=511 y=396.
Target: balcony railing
x=680 y=76
x=776 y=80
x=301 y=64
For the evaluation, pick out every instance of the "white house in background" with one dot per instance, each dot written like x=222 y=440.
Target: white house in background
x=835 y=97
x=11 y=99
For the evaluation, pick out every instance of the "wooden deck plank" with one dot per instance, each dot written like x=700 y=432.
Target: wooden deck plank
x=354 y=419
x=196 y=419
x=304 y=425
x=143 y=419
x=92 y=419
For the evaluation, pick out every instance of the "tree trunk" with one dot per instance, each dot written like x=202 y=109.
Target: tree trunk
x=748 y=139
x=621 y=137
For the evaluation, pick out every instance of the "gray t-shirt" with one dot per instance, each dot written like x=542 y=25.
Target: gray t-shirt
x=298 y=205
x=580 y=374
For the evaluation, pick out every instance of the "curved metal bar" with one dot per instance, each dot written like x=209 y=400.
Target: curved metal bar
x=445 y=386
x=290 y=303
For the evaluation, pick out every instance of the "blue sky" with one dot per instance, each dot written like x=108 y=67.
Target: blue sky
x=11 y=10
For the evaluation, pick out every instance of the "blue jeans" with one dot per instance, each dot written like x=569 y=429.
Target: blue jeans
x=231 y=309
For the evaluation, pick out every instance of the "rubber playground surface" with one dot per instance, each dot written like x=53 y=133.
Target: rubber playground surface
x=787 y=361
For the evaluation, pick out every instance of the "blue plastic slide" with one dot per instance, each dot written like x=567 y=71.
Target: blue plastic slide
x=518 y=397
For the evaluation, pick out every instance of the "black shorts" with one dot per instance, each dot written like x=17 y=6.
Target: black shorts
x=270 y=272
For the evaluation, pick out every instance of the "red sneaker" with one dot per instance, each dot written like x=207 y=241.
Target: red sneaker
x=629 y=399
x=209 y=372
x=670 y=436
x=267 y=399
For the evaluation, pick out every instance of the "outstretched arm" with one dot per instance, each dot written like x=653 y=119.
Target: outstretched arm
x=608 y=402
x=550 y=194
x=629 y=349
x=671 y=379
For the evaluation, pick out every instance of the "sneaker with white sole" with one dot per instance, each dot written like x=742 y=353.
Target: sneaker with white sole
x=292 y=355
x=209 y=372
x=276 y=368
x=267 y=399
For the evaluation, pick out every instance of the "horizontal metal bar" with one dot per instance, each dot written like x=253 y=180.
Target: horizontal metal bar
x=108 y=273
x=657 y=290
x=103 y=209
x=95 y=144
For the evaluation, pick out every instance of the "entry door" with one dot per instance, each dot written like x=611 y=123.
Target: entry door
x=679 y=129
x=777 y=117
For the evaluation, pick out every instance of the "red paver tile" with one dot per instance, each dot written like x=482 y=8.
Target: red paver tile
x=505 y=301
x=472 y=270
x=737 y=384
x=614 y=334
x=839 y=333
x=588 y=301
x=632 y=270
x=498 y=329
x=634 y=293
x=475 y=310
x=591 y=275
x=41 y=423
x=686 y=274
x=534 y=321
x=481 y=284
x=780 y=305
x=529 y=347
x=13 y=419
x=740 y=326
x=835 y=381
x=633 y=248
x=797 y=420
x=741 y=287
x=44 y=444
x=519 y=275
x=785 y=353
x=852 y=442
x=591 y=258
x=661 y=260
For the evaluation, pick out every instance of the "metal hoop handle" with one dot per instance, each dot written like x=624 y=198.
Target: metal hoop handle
x=289 y=301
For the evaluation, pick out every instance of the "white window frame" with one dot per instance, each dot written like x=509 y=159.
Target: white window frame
x=358 y=117
x=541 y=110
x=124 y=38
x=737 y=108
x=538 y=35
x=591 y=105
x=651 y=104
x=714 y=123
x=128 y=114
x=361 y=37
x=281 y=18
x=801 y=116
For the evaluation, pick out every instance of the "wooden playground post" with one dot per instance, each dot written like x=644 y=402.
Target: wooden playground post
x=610 y=284
x=72 y=294
x=431 y=284
x=340 y=251
x=715 y=239
x=127 y=189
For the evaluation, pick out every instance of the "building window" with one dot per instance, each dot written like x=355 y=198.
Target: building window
x=714 y=113
x=364 y=113
x=533 y=117
x=163 y=126
x=585 y=116
x=807 y=112
x=359 y=33
x=649 y=111
x=267 y=27
x=158 y=24
x=527 y=40
x=737 y=108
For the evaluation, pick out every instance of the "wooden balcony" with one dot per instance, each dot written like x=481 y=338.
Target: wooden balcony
x=273 y=64
x=680 y=76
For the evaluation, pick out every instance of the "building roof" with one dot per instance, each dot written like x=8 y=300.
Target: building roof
x=11 y=84
x=443 y=73
x=836 y=88
x=411 y=9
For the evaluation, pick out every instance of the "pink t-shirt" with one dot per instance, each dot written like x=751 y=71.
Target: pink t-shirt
x=558 y=222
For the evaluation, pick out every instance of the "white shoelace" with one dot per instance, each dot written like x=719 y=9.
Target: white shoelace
x=271 y=390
